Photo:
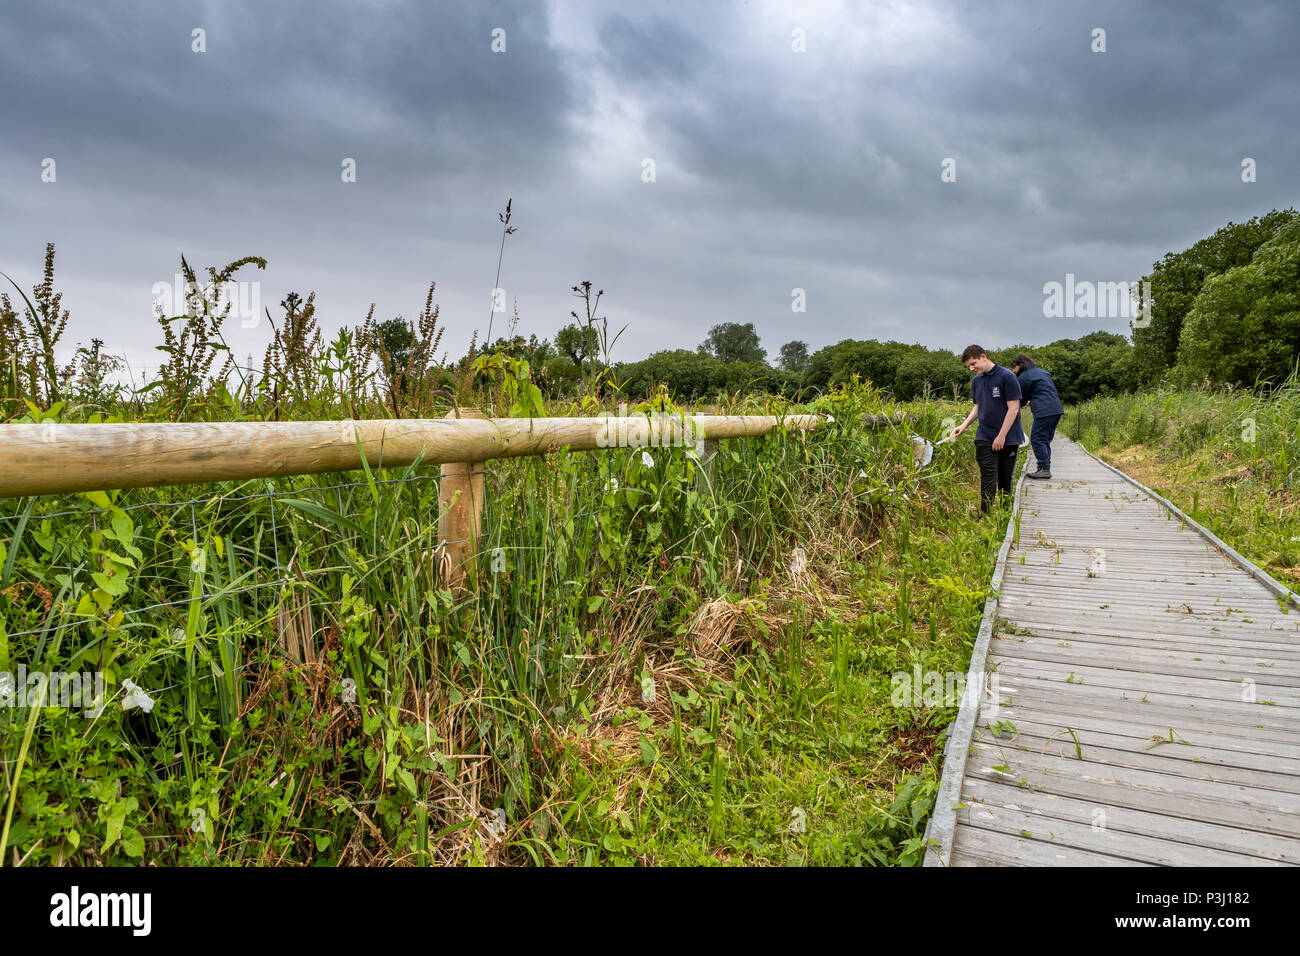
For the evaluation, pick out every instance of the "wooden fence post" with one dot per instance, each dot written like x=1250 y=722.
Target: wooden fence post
x=460 y=515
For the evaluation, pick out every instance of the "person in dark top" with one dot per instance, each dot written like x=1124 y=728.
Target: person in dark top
x=1040 y=398
x=996 y=393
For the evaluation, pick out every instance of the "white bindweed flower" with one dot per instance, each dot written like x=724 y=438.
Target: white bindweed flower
x=647 y=460
x=349 y=691
x=611 y=485
x=654 y=507
x=136 y=697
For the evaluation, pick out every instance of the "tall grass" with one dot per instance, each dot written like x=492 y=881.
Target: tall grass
x=640 y=670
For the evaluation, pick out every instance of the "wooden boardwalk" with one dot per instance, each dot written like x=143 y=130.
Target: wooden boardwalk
x=1177 y=672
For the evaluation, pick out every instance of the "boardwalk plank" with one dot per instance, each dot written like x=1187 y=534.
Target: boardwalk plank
x=1118 y=821
x=1052 y=774
x=1280 y=743
x=1163 y=641
x=975 y=847
x=1280 y=758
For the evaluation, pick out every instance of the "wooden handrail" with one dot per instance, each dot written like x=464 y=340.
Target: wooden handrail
x=54 y=458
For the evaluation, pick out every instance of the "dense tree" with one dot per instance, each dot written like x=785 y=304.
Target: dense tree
x=578 y=343
x=396 y=337
x=904 y=370
x=1244 y=327
x=1178 y=278
x=692 y=376
x=733 y=342
x=794 y=356
x=1097 y=364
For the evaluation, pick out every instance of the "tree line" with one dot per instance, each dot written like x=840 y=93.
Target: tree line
x=1225 y=310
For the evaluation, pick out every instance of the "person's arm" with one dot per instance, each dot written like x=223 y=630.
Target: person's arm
x=1013 y=409
x=974 y=410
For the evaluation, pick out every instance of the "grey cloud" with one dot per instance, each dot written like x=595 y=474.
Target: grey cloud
x=775 y=170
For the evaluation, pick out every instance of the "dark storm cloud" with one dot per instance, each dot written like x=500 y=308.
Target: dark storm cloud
x=282 y=77
x=658 y=51
x=1068 y=160
x=775 y=169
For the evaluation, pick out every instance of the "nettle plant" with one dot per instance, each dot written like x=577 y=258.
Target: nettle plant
x=28 y=340
x=187 y=373
x=511 y=380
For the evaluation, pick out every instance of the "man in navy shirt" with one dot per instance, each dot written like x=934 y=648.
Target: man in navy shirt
x=996 y=393
x=1040 y=396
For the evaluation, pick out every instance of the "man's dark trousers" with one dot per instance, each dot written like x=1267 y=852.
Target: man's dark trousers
x=996 y=469
x=1040 y=439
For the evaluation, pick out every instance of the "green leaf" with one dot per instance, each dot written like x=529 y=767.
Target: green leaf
x=407 y=780
x=113 y=586
x=32 y=802
x=594 y=603
x=99 y=499
x=132 y=842
x=116 y=818
x=117 y=559
x=122 y=529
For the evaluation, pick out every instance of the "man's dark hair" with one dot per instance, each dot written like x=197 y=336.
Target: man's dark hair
x=1023 y=361
x=972 y=352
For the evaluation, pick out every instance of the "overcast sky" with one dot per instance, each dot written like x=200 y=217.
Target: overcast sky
x=774 y=168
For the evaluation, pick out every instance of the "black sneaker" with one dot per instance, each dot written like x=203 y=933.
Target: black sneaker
x=1040 y=473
